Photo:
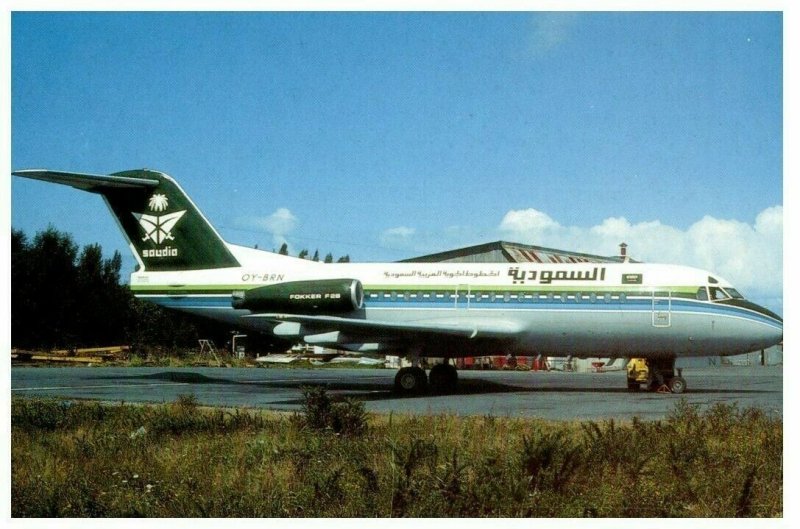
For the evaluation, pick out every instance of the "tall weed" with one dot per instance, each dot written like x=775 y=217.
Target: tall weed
x=320 y=412
x=179 y=459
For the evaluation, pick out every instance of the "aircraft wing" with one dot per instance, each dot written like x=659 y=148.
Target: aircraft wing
x=429 y=335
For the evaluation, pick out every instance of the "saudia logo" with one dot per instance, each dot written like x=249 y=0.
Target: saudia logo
x=159 y=228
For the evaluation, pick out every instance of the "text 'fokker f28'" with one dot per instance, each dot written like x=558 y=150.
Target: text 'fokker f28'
x=654 y=312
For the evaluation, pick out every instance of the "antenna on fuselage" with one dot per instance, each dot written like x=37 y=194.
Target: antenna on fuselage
x=623 y=253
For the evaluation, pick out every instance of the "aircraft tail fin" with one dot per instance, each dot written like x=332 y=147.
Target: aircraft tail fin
x=164 y=228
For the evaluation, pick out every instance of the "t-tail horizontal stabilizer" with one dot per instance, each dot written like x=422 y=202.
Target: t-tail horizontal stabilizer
x=88 y=182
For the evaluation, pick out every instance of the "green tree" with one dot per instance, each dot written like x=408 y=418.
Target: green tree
x=151 y=329
x=115 y=300
x=303 y=254
x=91 y=306
x=52 y=288
x=344 y=259
x=102 y=305
x=22 y=309
x=284 y=249
x=329 y=257
x=61 y=298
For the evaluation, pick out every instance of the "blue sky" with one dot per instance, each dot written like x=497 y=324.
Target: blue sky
x=387 y=135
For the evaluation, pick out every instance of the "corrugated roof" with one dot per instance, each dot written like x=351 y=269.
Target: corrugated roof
x=516 y=253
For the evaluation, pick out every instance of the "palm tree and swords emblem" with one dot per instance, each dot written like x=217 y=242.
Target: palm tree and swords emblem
x=158 y=228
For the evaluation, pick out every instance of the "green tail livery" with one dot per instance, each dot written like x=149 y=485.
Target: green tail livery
x=164 y=228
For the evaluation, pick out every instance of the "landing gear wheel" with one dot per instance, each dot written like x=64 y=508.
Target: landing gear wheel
x=443 y=378
x=410 y=381
x=677 y=385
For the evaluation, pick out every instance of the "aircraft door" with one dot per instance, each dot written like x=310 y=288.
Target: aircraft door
x=662 y=309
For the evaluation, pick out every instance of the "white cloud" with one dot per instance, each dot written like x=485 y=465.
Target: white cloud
x=550 y=30
x=770 y=222
x=748 y=255
x=398 y=237
x=279 y=224
x=531 y=221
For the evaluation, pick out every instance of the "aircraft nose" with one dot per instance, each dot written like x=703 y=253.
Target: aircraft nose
x=777 y=335
x=774 y=335
x=769 y=325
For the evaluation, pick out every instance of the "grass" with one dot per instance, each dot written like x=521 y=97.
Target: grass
x=75 y=459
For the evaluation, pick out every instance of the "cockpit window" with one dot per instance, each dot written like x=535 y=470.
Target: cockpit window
x=732 y=292
x=717 y=294
x=702 y=294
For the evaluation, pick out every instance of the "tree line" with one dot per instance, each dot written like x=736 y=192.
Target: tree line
x=303 y=254
x=63 y=297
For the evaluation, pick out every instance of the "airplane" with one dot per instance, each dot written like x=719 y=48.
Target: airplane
x=651 y=312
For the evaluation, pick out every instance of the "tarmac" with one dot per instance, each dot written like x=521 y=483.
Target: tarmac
x=549 y=395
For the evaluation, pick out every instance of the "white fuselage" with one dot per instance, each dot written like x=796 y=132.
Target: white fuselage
x=579 y=309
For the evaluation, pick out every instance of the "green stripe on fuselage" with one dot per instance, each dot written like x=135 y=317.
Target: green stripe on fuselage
x=186 y=289
x=638 y=289
x=628 y=290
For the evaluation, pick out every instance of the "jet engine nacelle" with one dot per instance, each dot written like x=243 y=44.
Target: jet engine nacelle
x=317 y=296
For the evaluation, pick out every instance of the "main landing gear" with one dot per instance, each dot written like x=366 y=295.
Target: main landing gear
x=443 y=378
x=656 y=374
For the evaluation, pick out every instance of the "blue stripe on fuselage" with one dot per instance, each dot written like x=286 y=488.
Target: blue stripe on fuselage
x=631 y=304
